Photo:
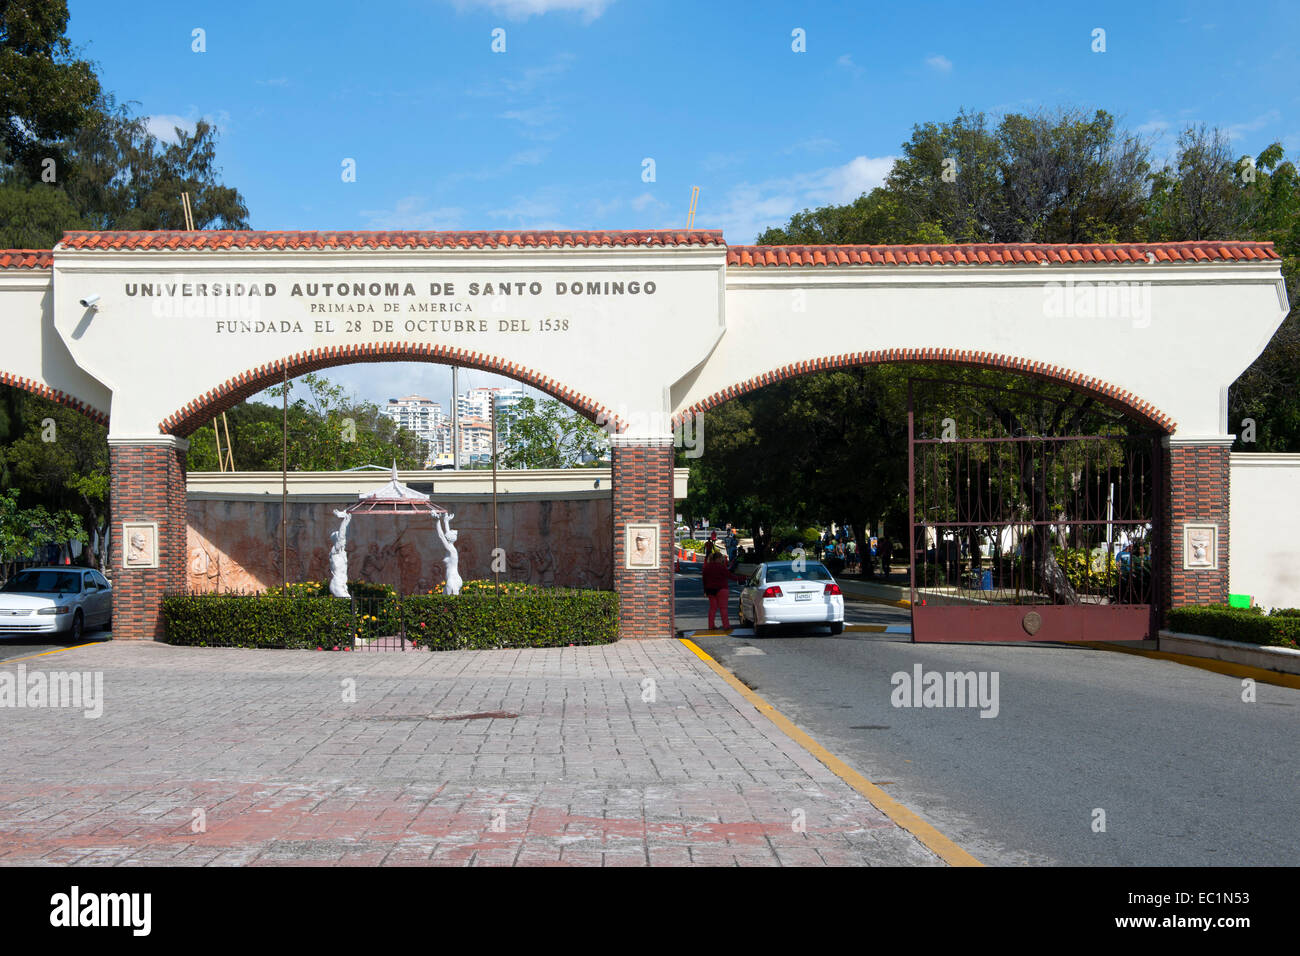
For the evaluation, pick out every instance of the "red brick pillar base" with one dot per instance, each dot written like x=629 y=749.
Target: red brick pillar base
x=1196 y=475
x=643 y=495
x=148 y=500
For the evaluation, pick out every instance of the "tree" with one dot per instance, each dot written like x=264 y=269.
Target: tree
x=45 y=92
x=328 y=431
x=550 y=435
x=24 y=530
x=57 y=459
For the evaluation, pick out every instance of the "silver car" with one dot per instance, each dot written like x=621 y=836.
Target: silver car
x=56 y=600
x=790 y=592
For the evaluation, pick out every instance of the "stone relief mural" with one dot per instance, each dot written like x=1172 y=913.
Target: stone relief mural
x=235 y=545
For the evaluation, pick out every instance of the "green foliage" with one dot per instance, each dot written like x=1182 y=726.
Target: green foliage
x=1081 y=570
x=535 y=618
x=550 y=435
x=23 y=530
x=256 y=620
x=56 y=458
x=328 y=431
x=45 y=92
x=531 y=617
x=1237 y=624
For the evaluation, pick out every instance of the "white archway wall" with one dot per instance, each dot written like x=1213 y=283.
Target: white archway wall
x=1193 y=330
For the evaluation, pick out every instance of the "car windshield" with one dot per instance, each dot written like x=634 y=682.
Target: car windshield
x=43 y=582
x=811 y=572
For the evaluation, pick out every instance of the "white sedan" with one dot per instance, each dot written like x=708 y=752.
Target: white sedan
x=55 y=601
x=789 y=592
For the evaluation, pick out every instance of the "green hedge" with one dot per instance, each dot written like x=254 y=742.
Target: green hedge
x=256 y=620
x=1247 y=625
x=531 y=617
x=542 y=618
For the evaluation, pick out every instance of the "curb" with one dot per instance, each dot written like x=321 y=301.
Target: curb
x=938 y=844
x=1228 y=668
x=749 y=631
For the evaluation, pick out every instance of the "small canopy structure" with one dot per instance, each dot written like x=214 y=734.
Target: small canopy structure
x=393 y=498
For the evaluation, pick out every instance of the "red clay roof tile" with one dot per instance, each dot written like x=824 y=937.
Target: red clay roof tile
x=26 y=258
x=755 y=256
x=1002 y=253
x=229 y=239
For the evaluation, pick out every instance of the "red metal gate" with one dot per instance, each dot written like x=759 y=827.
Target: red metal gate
x=1032 y=515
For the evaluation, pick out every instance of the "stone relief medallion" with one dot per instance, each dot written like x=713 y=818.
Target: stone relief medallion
x=1200 y=547
x=1031 y=622
x=641 y=546
x=139 y=544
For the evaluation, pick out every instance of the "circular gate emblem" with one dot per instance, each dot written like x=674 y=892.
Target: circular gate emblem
x=1031 y=623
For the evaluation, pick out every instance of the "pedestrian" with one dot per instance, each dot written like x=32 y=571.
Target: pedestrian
x=852 y=554
x=886 y=553
x=717 y=585
x=732 y=543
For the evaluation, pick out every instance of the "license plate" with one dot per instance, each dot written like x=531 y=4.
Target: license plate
x=806 y=596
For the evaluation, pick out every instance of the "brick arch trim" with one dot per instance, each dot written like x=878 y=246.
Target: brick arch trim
x=1143 y=412
x=193 y=415
x=54 y=395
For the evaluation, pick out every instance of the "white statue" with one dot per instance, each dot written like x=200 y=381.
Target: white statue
x=339 y=557
x=442 y=525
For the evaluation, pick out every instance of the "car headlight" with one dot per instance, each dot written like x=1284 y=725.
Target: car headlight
x=60 y=609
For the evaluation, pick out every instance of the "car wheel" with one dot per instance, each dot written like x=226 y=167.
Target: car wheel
x=78 y=627
x=837 y=627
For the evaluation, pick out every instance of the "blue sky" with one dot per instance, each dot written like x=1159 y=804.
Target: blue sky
x=552 y=133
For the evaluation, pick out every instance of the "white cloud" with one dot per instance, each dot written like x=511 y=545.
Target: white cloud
x=523 y=9
x=748 y=209
x=1237 y=130
x=645 y=201
x=413 y=212
x=939 y=63
x=163 y=126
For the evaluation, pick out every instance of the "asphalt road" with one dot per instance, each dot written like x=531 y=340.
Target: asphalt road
x=1185 y=771
x=30 y=645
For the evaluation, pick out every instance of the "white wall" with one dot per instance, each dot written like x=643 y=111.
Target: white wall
x=1264 y=543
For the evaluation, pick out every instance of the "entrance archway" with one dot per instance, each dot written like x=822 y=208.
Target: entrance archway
x=643 y=327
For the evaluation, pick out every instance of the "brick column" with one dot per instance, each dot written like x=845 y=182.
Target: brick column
x=642 y=474
x=1196 y=482
x=148 y=488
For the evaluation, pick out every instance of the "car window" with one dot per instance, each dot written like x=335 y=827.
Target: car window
x=811 y=572
x=88 y=580
x=44 y=582
x=100 y=580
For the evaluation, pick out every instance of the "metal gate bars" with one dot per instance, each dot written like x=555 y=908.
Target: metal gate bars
x=1032 y=515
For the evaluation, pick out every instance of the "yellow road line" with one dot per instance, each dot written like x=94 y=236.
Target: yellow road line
x=32 y=657
x=942 y=847
x=1257 y=674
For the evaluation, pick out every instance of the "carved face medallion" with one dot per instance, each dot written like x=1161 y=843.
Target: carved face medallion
x=1031 y=622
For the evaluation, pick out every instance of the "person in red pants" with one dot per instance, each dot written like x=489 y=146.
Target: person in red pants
x=717 y=581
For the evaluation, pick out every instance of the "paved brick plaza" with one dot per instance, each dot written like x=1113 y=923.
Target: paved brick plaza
x=287 y=772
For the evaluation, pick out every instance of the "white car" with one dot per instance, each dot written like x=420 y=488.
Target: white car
x=63 y=600
x=781 y=593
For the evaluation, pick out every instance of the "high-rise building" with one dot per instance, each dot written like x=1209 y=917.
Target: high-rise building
x=424 y=417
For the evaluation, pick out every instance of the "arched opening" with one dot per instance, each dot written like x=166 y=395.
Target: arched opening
x=543 y=528
x=983 y=481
